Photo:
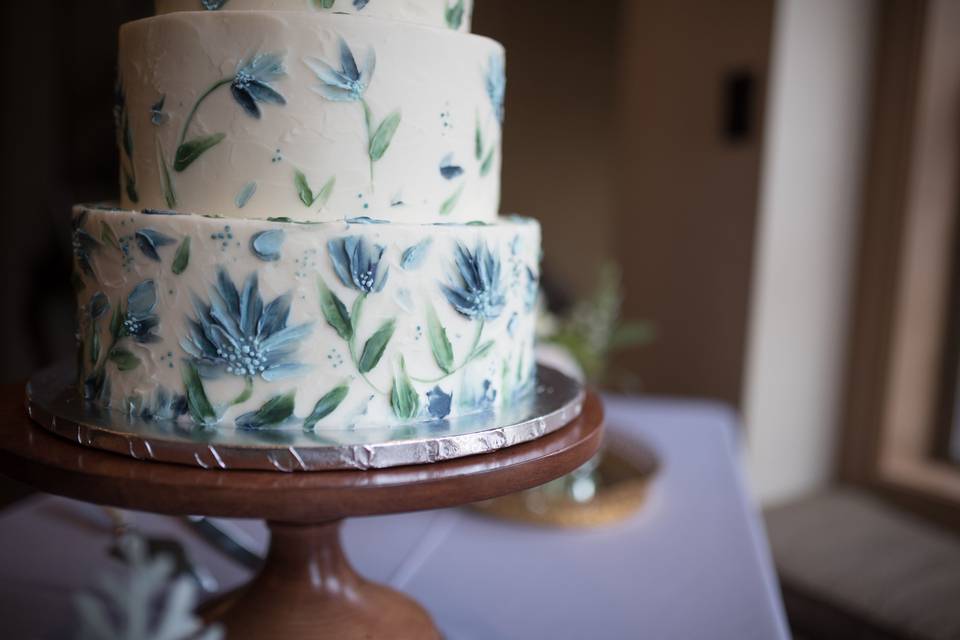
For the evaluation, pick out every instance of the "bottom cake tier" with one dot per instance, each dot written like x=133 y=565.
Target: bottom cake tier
x=275 y=324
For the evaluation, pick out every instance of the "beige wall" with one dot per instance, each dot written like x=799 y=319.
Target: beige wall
x=686 y=193
x=814 y=159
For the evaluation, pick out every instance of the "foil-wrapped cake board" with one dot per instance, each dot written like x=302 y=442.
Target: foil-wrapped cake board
x=52 y=401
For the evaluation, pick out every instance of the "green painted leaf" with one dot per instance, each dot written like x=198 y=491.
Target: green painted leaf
x=200 y=408
x=303 y=188
x=451 y=203
x=182 y=258
x=166 y=183
x=94 y=345
x=439 y=343
x=325 y=406
x=108 y=236
x=274 y=411
x=454 y=14
x=375 y=346
x=478 y=141
x=334 y=311
x=483 y=350
x=116 y=321
x=127 y=135
x=245 y=394
x=323 y=4
x=380 y=141
x=130 y=184
x=190 y=150
x=404 y=399
x=326 y=190
x=124 y=359
x=487 y=162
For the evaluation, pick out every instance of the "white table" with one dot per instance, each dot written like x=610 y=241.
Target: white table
x=694 y=563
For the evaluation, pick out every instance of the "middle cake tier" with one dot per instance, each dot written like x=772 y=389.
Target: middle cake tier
x=309 y=116
x=259 y=323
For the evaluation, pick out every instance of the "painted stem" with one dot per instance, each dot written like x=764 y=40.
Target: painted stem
x=368 y=118
x=193 y=112
x=467 y=360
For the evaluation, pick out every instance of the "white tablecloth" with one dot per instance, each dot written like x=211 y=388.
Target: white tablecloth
x=694 y=563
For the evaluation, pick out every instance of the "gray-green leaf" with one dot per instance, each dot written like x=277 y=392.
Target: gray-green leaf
x=334 y=311
x=108 y=236
x=274 y=411
x=182 y=259
x=451 y=203
x=454 y=15
x=323 y=4
x=190 y=150
x=381 y=139
x=130 y=183
x=478 y=142
x=116 y=321
x=439 y=343
x=487 y=162
x=375 y=346
x=166 y=182
x=125 y=360
x=200 y=408
x=404 y=399
x=303 y=188
x=326 y=190
x=483 y=350
x=325 y=406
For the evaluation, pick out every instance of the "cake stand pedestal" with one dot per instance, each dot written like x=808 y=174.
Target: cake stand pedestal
x=307 y=588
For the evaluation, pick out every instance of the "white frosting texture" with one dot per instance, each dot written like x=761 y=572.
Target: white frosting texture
x=449 y=14
x=335 y=325
x=314 y=116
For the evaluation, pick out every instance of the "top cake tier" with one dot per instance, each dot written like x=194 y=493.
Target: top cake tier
x=312 y=116
x=449 y=14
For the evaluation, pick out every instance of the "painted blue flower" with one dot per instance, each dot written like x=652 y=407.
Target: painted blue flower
x=84 y=245
x=360 y=4
x=347 y=84
x=139 y=321
x=357 y=263
x=212 y=5
x=158 y=116
x=438 y=403
x=449 y=169
x=251 y=83
x=477 y=290
x=163 y=406
x=98 y=305
x=237 y=334
x=532 y=290
x=496 y=84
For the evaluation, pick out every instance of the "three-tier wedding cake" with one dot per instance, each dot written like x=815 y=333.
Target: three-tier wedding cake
x=308 y=231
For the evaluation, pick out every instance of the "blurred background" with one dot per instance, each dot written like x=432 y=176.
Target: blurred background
x=776 y=184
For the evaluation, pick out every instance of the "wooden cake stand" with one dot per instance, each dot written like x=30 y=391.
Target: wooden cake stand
x=306 y=588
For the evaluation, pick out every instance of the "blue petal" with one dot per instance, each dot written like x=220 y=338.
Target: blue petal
x=360 y=4
x=142 y=300
x=348 y=63
x=327 y=74
x=245 y=99
x=262 y=92
x=336 y=94
x=274 y=317
x=341 y=261
x=460 y=301
x=438 y=403
x=266 y=244
x=251 y=306
x=286 y=336
x=98 y=305
x=228 y=291
x=149 y=241
x=281 y=371
x=414 y=255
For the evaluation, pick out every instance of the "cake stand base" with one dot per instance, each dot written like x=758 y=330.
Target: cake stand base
x=306 y=588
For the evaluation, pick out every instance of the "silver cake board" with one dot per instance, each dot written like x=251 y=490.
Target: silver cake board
x=53 y=403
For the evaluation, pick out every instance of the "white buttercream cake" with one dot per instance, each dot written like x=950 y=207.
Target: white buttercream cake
x=307 y=233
